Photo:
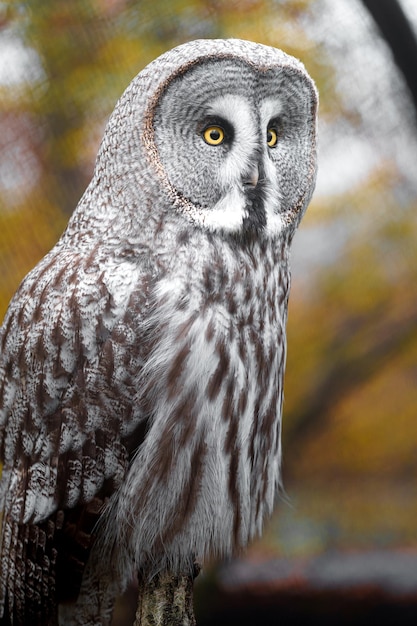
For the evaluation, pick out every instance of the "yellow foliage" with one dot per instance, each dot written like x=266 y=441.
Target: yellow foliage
x=26 y=235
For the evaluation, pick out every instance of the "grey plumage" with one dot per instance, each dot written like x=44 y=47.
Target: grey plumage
x=142 y=360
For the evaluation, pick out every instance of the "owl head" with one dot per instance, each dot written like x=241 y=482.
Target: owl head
x=217 y=134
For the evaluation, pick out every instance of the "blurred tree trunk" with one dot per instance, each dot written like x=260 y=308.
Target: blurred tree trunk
x=399 y=35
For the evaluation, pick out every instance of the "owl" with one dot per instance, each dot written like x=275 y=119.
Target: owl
x=142 y=360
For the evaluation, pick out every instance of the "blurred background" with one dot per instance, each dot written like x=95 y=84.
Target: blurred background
x=350 y=414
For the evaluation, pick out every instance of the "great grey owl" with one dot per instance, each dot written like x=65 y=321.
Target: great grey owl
x=142 y=360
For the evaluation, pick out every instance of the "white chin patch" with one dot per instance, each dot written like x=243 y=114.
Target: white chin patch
x=274 y=223
x=272 y=203
x=274 y=219
x=228 y=214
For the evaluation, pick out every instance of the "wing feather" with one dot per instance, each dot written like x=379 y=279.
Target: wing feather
x=66 y=395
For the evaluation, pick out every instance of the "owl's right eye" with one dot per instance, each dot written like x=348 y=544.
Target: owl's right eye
x=214 y=135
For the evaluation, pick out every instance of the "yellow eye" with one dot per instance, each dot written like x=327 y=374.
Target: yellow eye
x=271 y=137
x=214 y=135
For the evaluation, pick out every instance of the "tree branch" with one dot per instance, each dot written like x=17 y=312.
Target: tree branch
x=166 y=600
x=399 y=35
x=349 y=370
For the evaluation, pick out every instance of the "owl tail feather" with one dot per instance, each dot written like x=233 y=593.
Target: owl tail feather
x=43 y=565
x=27 y=574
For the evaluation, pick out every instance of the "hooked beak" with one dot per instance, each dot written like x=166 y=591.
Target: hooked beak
x=251 y=179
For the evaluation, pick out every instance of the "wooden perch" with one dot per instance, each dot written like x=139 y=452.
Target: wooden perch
x=166 y=600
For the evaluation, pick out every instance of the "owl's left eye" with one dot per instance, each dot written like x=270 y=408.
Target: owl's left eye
x=214 y=135
x=271 y=137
